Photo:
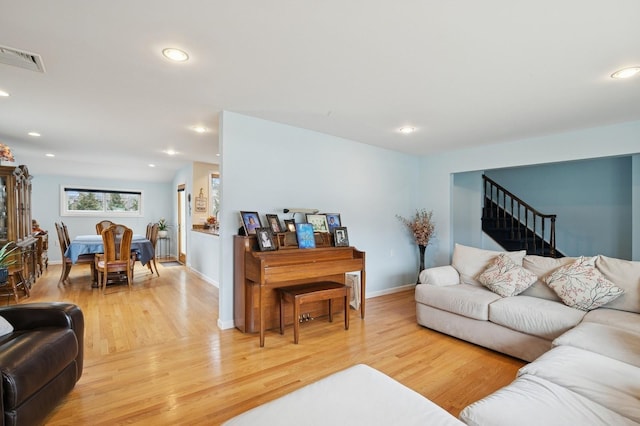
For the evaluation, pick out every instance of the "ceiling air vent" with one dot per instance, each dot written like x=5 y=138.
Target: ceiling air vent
x=21 y=59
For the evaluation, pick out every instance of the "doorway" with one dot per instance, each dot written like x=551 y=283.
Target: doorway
x=182 y=220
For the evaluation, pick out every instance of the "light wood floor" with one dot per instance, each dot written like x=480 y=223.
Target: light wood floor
x=156 y=356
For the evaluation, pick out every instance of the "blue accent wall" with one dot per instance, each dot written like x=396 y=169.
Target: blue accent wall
x=440 y=187
x=591 y=198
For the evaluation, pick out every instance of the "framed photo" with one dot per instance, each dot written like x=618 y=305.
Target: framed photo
x=340 y=237
x=265 y=239
x=274 y=223
x=250 y=222
x=319 y=222
x=290 y=225
x=304 y=233
x=333 y=219
x=201 y=202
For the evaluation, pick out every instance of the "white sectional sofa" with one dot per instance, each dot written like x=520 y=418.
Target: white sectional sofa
x=586 y=362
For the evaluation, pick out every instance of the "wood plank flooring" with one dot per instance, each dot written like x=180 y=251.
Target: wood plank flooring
x=154 y=355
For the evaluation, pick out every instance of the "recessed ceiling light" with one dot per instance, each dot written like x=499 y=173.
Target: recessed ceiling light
x=50 y=155
x=170 y=152
x=4 y=94
x=175 y=55
x=407 y=130
x=199 y=129
x=34 y=134
x=152 y=165
x=626 y=72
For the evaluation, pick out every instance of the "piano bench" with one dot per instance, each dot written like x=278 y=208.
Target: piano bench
x=312 y=292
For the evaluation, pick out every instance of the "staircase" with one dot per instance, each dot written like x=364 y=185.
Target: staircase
x=515 y=225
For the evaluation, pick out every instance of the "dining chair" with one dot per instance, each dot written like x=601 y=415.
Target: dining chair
x=117 y=255
x=66 y=262
x=119 y=229
x=102 y=225
x=65 y=233
x=63 y=240
x=153 y=237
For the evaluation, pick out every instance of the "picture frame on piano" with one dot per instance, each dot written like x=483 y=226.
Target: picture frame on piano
x=333 y=220
x=274 y=222
x=319 y=222
x=290 y=225
x=266 y=242
x=250 y=222
x=304 y=233
x=340 y=237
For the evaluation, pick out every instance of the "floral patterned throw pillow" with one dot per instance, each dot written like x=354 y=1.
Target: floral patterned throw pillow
x=580 y=285
x=505 y=277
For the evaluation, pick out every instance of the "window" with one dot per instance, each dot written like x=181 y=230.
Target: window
x=215 y=194
x=77 y=201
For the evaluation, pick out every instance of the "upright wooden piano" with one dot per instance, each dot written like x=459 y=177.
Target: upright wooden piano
x=257 y=274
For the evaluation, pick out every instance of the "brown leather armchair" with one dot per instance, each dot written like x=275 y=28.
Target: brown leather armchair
x=40 y=361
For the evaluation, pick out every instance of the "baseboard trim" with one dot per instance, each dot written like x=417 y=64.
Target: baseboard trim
x=398 y=289
x=204 y=277
x=225 y=325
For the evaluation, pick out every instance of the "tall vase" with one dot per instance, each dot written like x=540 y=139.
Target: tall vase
x=422 y=249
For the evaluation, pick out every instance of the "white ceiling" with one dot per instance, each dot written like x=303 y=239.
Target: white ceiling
x=464 y=73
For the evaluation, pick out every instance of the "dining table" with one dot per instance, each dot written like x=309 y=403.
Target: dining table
x=92 y=244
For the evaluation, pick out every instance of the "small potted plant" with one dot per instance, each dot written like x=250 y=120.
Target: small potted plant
x=7 y=259
x=163 y=228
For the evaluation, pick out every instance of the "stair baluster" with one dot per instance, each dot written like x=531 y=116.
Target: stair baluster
x=506 y=218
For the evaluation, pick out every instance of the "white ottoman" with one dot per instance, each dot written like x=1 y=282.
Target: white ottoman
x=359 y=395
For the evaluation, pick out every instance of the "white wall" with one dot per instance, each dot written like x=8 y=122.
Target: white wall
x=204 y=255
x=45 y=200
x=267 y=166
x=436 y=171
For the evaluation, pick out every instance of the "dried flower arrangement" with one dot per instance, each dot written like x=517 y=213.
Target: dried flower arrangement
x=421 y=225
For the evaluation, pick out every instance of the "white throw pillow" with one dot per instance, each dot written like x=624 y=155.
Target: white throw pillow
x=471 y=262
x=5 y=327
x=542 y=266
x=626 y=275
x=580 y=285
x=506 y=278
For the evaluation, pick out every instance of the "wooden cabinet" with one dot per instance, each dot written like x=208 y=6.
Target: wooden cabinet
x=15 y=216
x=257 y=274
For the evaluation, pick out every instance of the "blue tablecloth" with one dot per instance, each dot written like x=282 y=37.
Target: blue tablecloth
x=90 y=244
